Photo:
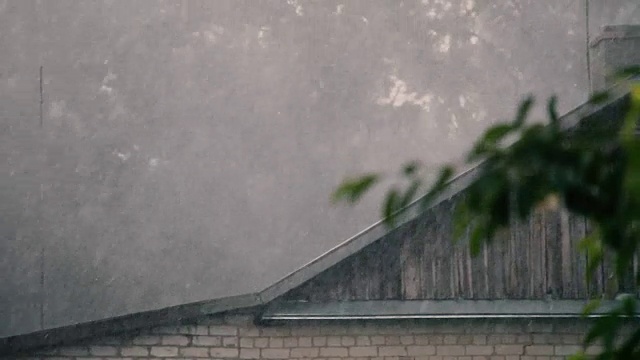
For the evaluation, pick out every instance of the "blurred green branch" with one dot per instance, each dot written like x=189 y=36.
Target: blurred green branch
x=524 y=166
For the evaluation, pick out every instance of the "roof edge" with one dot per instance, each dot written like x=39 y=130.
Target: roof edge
x=113 y=326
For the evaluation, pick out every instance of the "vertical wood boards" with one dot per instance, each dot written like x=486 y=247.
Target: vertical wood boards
x=596 y=284
x=553 y=253
x=429 y=277
x=410 y=264
x=535 y=258
x=374 y=269
x=498 y=272
x=537 y=263
x=390 y=276
x=566 y=256
x=444 y=260
x=579 y=276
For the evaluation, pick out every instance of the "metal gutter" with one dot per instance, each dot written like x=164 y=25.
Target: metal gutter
x=432 y=309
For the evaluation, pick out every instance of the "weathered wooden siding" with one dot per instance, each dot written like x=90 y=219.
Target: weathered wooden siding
x=533 y=259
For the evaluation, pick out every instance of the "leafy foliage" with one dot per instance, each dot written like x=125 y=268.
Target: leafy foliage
x=525 y=165
x=353 y=189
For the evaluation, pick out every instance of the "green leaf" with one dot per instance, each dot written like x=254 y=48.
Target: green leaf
x=461 y=220
x=600 y=97
x=523 y=111
x=478 y=234
x=628 y=348
x=497 y=133
x=391 y=207
x=411 y=168
x=552 y=112
x=475 y=245
x=632 y=144
x=603 y=328
x=628 y=306
x=627 y=72
x=410 y=193
x=592 y=246
x=351 y=190
x=591 y=306
x=489 y=141
x=578 y=356
x=444 y=177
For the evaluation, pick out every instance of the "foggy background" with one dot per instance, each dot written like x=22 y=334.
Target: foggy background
x=177 y=151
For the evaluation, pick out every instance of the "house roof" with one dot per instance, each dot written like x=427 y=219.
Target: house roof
x=182 y=313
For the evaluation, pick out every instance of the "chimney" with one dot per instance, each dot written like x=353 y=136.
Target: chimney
x=618 y=46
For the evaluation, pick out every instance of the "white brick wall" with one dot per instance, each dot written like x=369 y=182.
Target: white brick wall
x=238 y=338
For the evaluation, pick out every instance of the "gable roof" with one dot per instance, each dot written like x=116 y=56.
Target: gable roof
x=182 y=313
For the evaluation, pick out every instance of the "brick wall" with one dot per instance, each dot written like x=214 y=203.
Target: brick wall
x=235 y=337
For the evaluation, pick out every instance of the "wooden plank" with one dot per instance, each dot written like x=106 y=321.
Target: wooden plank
x=522 y=258
x=497 y=267
x=568 y=290
x=455 y=272
x=409 y=265
x=300 y=293
x=349 y=292
x=470 y=278
x=536 y=259
x=334 y=285
x=360 y=281
x=627 y=283
x=311 y=294
x=374 y=266
x=462 y=291
x=428 y=262
x=596 y=283
x=390 y=279
x=530 y=276
x=419 y=234
x=511 y=261
x=636 y=268
x=544 y=244
x=443 y=251
x=485 y=270
x=434 y=279
x=322 y=289
x=553 y=253
x=609 y=281
x=466 y=291
x=578 y=232
x=631 y=279
x=347 y=279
